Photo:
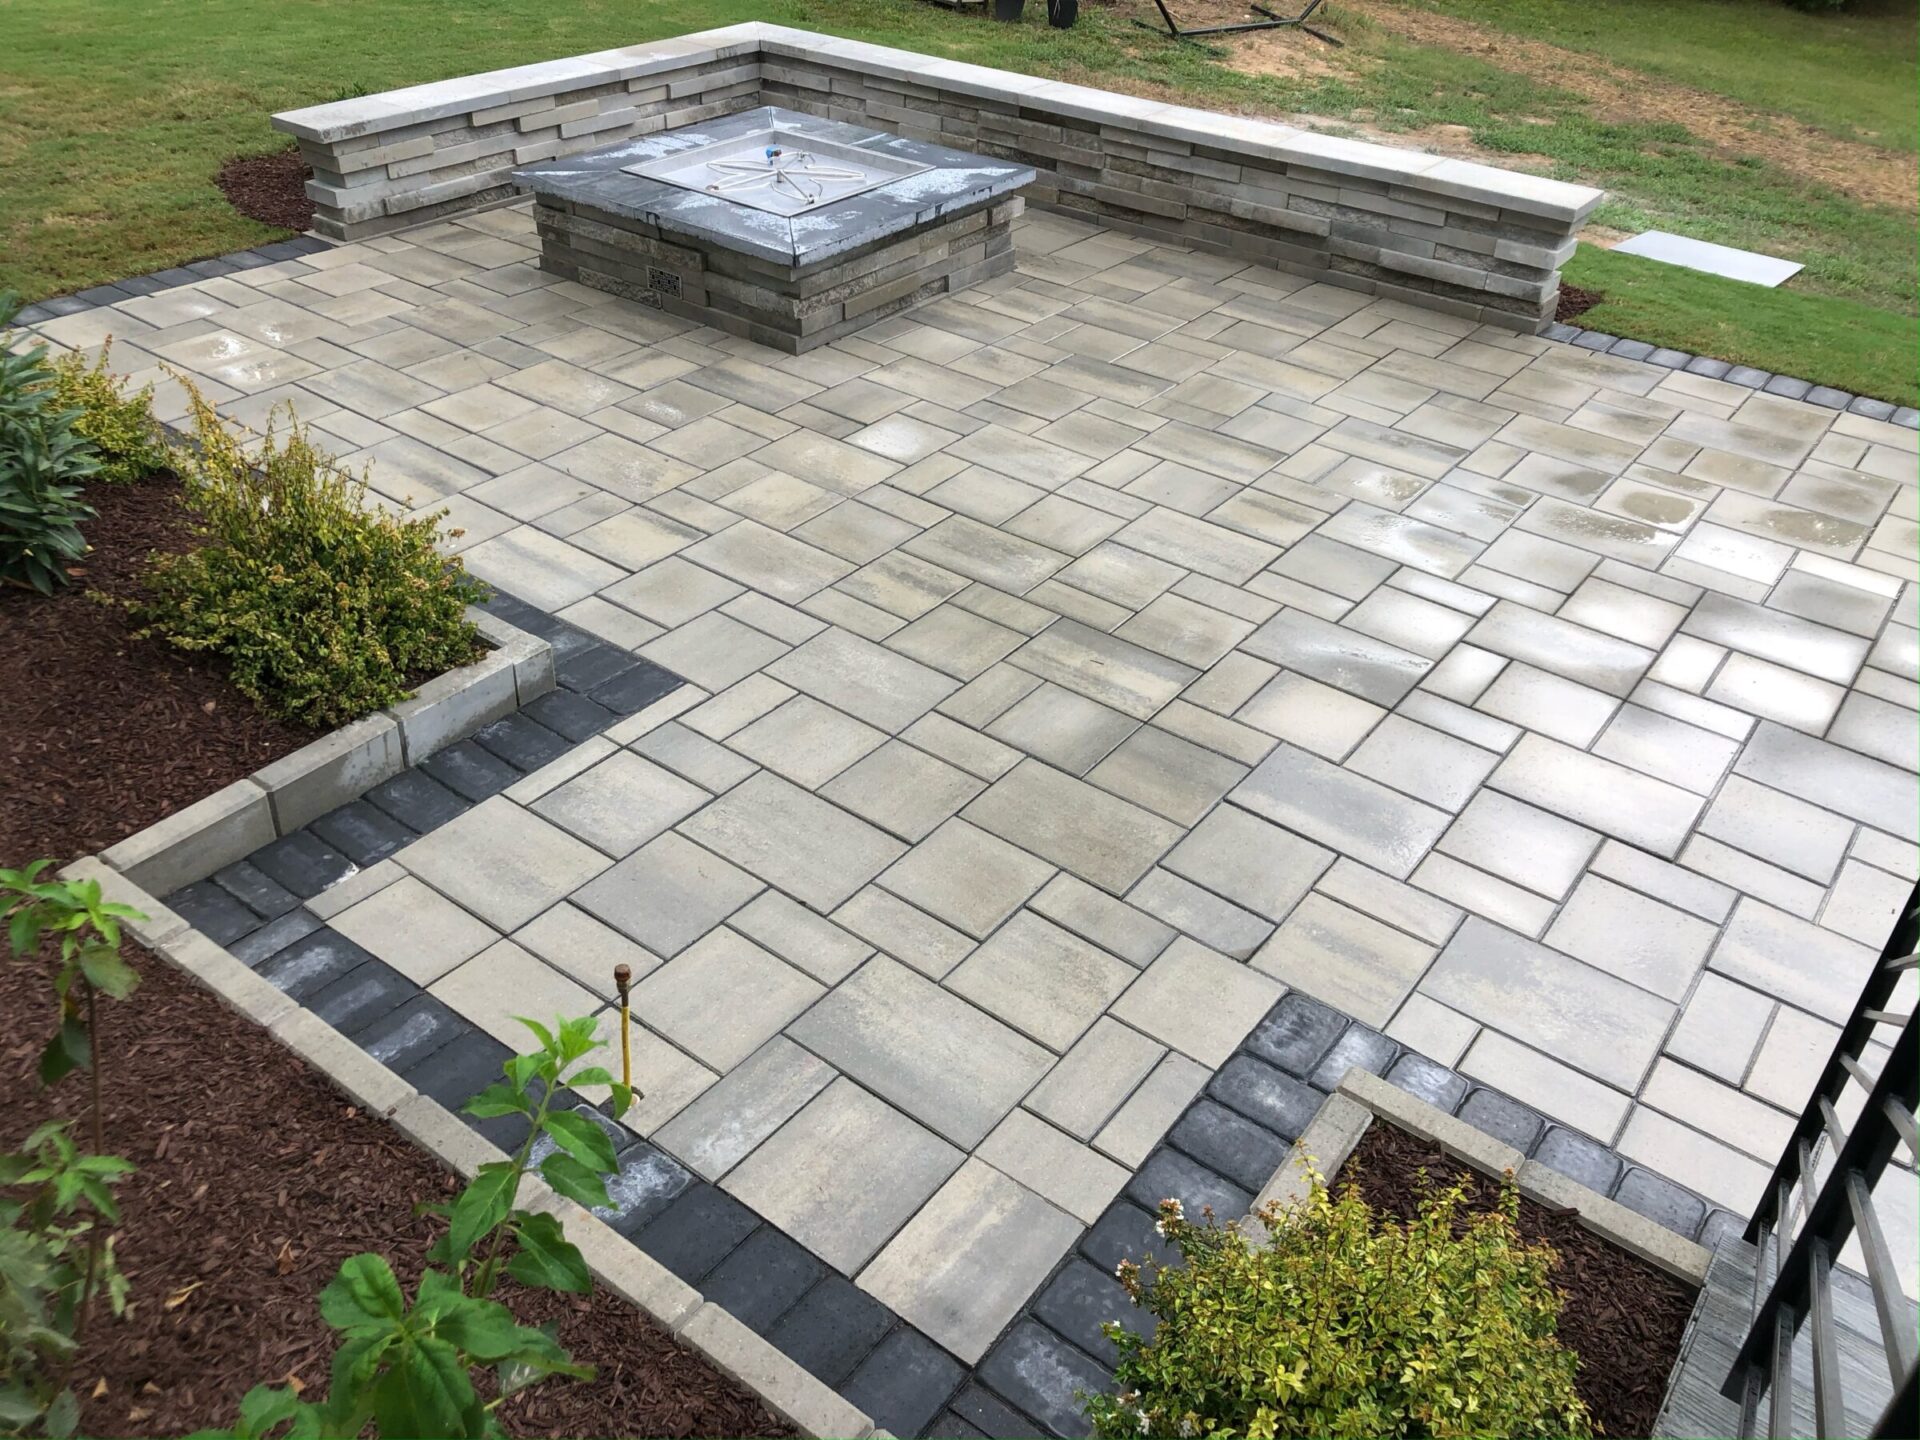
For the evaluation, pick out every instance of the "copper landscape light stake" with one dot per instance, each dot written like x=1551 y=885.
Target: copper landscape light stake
x=622 y=979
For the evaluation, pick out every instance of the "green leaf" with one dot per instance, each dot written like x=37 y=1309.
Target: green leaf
x=266 y=1406
x=67 y=1051
x=481 y=1206
x=578 y=1036
x=18 y=1409
x=523 y=1069
x=622 y=1099
x=425 y=1392
x=62 y=1417
x=541 y=1033
x=574 y=1180
x=439 y=1295
x=546 y=1259
x=363 y=1298
x=592 y=1075
x=484 y=1330
x=582 y=1139
x=497 y=1099
x=107 y=972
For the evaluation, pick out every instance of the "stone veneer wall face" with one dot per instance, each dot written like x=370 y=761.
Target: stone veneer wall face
x=1477 y=261
x=405 y=176
x=1366 y=217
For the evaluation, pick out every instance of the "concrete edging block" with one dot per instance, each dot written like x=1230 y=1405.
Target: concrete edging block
x=810 y=1404
x=236 y=985
x=331 y=771
x=285 y=794
x=1460 y=1140
x=364 y=1080
x=444 y=1135
x=1323 y=1147
x=192 y=843
x=1611 y=1220
x=452 y=706
x=532 y=657
x=1362 y=1097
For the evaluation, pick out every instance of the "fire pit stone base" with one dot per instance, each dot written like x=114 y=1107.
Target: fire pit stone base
x=641 y=221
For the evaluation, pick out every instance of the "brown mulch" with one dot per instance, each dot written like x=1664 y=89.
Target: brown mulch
x=1621 y=1316
x=256 y=1179
x=270 y=188
x=102 y=734
x=1575 y=302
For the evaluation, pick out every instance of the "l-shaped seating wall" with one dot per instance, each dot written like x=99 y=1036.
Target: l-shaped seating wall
x=1469 y=239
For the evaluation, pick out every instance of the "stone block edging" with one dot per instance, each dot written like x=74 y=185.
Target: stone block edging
x=616 y=1262
x=1363 y=1097
x=285 y=794
x=1473 y=240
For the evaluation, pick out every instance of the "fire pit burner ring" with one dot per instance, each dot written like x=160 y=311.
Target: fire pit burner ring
x=779 y=169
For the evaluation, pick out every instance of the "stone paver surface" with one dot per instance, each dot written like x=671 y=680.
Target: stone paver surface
x=1548 y=711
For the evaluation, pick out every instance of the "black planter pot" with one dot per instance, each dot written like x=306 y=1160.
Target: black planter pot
x=1062 y=13
x=1009 y=10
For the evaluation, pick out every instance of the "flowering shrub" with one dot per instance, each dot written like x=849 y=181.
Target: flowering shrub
x=1346 y=1324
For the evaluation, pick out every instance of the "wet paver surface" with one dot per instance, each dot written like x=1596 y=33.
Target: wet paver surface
x=1075 y=667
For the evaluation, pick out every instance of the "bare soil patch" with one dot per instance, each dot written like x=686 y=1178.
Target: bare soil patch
x=256 y=1179
x=1865 y=172
x=270 y=188
x=1575 y=301
x=1621 y=1316
x=102 y=734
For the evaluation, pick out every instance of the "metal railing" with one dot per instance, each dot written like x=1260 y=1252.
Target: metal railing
x=1820 y=1194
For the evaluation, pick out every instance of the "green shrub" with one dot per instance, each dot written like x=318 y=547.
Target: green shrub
x=43 y=460
x=324 y=607
x=120 y=426
x=1347 y=1324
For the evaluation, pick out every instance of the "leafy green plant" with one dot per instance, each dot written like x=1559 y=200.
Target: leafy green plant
x=1346 y=1323
x=43 y=459
x=56 y=1254
x=52 y=1257
x=119 y=425
x=406 y=1366
x=325 y=607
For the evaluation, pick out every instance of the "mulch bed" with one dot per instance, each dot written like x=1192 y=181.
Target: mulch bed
x=102 y=734
x=256 y=1179
x=1575 y=302
x=1622 y=1317
x=269 y=188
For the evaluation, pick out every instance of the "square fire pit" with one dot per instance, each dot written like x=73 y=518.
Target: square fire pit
x=782 y=227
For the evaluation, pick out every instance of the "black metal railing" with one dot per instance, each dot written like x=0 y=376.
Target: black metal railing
x=1820 y=1194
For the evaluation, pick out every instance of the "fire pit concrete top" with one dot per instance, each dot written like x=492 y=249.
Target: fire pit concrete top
x=664 y=180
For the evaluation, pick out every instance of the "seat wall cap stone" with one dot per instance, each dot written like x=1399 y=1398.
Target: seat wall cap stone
x=1508 y=190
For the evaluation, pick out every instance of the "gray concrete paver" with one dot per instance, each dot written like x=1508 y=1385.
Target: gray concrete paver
x=1208 y=605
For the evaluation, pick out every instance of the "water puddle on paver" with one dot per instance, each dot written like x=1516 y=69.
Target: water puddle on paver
x=1803 y=527
x=1655 y=508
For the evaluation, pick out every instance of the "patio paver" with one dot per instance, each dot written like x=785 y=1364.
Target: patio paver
x=1073 y=693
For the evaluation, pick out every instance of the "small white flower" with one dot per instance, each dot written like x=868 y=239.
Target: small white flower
x=1186 y=1426
x=1145 y=1425
x=1160 y=1228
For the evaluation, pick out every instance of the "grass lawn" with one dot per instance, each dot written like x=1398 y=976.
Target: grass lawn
x=1844 y=343
x=114 y=114
x=1849 y=72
